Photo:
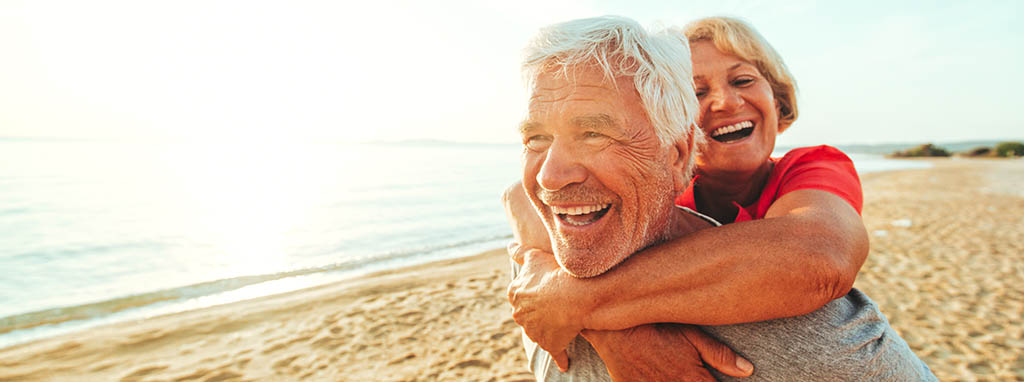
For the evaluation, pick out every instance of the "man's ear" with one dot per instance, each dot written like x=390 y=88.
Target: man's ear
x=680 y=160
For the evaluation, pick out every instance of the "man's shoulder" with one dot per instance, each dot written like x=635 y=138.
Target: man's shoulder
x=692 y=221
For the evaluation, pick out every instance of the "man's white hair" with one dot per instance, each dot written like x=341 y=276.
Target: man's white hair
x=658 y=62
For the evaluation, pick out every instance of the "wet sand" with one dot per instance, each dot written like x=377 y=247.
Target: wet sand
x=947 y=268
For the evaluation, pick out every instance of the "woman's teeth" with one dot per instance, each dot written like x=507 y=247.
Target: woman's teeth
x=733 y=132
x=732 y=128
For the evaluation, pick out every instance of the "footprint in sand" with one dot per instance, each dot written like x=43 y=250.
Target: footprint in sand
x=103 y=366
x=194 y=376
x=141 y=373
x=470 y=363
x=285 y=362
x=402 y=359
x=327 y=341
x=223 y=376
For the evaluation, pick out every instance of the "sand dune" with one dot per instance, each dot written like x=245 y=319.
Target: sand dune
x=947 y=267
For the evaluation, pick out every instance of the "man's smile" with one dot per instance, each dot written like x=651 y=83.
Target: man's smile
x=581 y=215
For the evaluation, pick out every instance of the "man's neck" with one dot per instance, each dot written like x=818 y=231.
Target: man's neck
x=684 y=222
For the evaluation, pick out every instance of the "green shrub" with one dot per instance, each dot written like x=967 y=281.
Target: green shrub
x=1010 y=149
x=925 y=150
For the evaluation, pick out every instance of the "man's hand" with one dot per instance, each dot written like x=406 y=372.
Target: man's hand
x=544 y=304
x=664 y=352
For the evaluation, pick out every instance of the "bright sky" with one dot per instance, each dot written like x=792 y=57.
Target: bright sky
x=868 y=72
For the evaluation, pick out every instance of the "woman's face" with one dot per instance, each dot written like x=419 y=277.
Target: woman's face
x=738 y=112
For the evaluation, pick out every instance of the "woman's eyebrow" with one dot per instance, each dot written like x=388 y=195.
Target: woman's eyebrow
x=731 y=68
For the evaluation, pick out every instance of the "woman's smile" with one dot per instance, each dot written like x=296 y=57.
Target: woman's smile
x=733 y=132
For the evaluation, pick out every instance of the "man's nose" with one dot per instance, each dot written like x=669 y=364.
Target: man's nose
x=561 y=168
x=725 y=99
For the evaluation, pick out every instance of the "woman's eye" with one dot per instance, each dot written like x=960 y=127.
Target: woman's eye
x=701 y=93
x=591 y=134
x=743 y=81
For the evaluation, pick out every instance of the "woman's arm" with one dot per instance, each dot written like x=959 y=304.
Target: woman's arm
x=527 y=228
x=803 y=254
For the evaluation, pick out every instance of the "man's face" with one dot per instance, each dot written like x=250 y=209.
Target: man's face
x=595 y=170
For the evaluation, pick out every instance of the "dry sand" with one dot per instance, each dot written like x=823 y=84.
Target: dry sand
x=946 y=267
x=947 y=264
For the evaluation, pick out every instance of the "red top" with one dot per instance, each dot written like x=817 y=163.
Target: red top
x=817 y=168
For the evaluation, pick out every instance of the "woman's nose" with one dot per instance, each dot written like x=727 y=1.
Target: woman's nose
x=725 y=100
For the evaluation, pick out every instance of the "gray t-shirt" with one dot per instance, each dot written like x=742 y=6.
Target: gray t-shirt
x=848 y=339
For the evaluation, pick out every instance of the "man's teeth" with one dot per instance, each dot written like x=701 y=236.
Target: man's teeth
x=732 y=128
x=579 y=210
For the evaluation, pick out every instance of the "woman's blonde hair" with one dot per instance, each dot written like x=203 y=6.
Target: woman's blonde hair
x=738 y=38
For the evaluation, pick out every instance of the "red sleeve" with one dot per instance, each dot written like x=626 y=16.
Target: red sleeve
x=820 y=168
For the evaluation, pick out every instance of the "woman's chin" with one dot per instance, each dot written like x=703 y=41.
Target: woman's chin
x=739 y=156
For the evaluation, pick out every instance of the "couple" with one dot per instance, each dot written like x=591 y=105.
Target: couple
x=623 y=272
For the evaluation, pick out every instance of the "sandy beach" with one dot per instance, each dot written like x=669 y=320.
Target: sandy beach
x=946 y=267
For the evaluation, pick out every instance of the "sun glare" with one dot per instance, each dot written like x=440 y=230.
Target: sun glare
x=244 y=198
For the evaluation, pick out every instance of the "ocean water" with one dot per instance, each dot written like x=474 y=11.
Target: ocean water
x=100 y=232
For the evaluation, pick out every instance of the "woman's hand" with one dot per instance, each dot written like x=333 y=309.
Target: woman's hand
x=528 y=229
x=548 y=303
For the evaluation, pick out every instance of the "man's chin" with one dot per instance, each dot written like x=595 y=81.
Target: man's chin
x=586 y=263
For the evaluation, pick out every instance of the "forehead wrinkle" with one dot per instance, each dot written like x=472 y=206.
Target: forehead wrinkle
x=600 y=122
x=573 y=86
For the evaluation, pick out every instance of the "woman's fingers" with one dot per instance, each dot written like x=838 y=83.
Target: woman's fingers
x=515 y=251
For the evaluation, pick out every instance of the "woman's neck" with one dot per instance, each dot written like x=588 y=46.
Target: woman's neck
x=714 y=194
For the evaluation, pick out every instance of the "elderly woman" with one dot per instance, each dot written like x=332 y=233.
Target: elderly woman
x=775 y=284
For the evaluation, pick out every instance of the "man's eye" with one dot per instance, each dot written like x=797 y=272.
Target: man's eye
x=701 y=93
x=537 y=142
x=595 y=138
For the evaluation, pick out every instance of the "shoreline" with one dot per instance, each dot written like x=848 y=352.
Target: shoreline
x=104 y=352
x=387 y=281
x=54 y=321
x=946 y=267
x=127 y=309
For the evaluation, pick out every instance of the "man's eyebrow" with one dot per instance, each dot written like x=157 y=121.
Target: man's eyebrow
x=526 y=127
x=599 y=122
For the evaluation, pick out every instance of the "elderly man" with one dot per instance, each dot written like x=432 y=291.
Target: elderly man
x=609 y=141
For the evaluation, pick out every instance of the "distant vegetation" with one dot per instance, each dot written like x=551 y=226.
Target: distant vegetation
x=1010 y=149
x=1001 y=150
x=925 y=150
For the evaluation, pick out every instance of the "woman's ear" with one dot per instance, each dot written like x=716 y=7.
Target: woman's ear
x=783 y=122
